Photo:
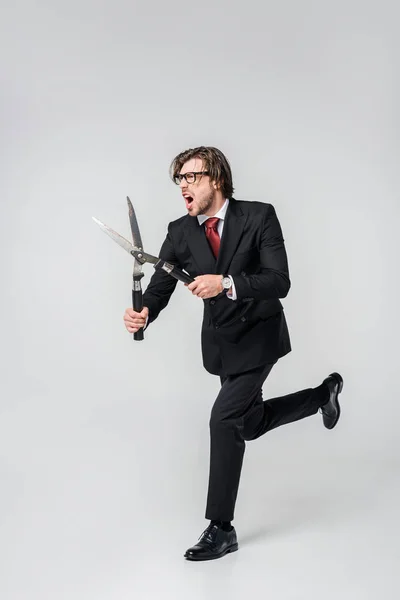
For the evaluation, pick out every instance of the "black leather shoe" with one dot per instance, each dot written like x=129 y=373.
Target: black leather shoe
x=331 y=410
x=214 y=542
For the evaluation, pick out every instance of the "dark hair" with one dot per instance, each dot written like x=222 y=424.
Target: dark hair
x=214 y=161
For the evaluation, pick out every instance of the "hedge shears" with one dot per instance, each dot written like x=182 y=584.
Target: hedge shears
x=140 y=258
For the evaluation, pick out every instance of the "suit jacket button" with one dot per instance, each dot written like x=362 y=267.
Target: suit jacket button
x=243 y=273
x=243 y=319
x=212 y=302
x=216 y=325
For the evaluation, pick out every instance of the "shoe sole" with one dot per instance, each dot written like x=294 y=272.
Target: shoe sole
x=339 y=379
x=232 y=548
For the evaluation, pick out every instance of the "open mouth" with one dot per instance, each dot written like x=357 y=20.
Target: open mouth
x=189 y=201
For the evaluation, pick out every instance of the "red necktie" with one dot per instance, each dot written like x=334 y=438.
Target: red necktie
x=212 y=234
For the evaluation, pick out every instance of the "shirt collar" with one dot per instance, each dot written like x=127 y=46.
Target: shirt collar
x=220 y=214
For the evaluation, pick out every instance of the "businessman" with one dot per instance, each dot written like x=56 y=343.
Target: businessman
x=235 y=251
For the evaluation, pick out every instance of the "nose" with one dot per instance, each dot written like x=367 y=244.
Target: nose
x=183 y=183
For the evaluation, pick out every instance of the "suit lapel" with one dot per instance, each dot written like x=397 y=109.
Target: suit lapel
x=200 y=248
x=231 y=234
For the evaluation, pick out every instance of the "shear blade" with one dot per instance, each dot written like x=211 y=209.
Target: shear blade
x=137 y=238
x=123 y=242
x=115 y=236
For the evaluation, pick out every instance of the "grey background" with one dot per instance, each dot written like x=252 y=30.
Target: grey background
x=104 y=461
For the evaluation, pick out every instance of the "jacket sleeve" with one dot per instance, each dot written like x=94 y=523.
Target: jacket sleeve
x=272 y=280
x=161 y=284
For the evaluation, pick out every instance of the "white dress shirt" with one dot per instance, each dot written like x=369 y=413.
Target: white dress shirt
x=221 y=216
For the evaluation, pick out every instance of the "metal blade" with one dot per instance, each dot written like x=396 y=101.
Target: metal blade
x=137 y=239
x=143 y=256
x=137 y=267
x=115 y=236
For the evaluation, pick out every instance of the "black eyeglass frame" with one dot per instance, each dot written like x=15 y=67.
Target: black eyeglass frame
x=179 y=176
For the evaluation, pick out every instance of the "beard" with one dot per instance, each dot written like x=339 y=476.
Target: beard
x=206 y=203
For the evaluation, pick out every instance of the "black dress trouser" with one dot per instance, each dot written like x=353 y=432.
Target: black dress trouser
x=239 y=414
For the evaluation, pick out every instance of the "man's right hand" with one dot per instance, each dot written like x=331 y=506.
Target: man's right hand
x=134 y=320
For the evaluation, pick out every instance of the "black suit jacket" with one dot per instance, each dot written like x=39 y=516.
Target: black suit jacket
x=237 y=335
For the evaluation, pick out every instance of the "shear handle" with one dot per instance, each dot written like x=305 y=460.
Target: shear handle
x=137 y=303
x=174 y=271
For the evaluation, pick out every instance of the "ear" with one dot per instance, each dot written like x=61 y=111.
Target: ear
x=216 y=185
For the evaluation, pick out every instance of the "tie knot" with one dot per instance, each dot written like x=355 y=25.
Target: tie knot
x=211 y=223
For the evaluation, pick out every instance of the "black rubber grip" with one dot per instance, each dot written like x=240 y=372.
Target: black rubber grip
x=175 y=272
x=137 y=304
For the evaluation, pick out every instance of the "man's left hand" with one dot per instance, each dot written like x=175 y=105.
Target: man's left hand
x=206 y=286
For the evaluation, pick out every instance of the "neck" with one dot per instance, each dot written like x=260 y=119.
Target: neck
x=217 y=204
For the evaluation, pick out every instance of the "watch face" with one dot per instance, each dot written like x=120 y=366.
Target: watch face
x=226 y=283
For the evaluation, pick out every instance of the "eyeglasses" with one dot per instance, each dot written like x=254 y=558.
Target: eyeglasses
x=190 y=177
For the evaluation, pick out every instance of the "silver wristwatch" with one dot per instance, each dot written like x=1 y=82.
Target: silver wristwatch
x=226 y=282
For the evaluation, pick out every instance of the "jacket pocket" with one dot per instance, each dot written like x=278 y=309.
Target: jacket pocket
x=241 y=315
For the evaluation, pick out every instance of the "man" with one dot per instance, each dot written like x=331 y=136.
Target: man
x=235 y=251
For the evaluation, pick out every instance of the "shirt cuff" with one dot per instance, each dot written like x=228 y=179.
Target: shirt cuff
x=231 y=294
